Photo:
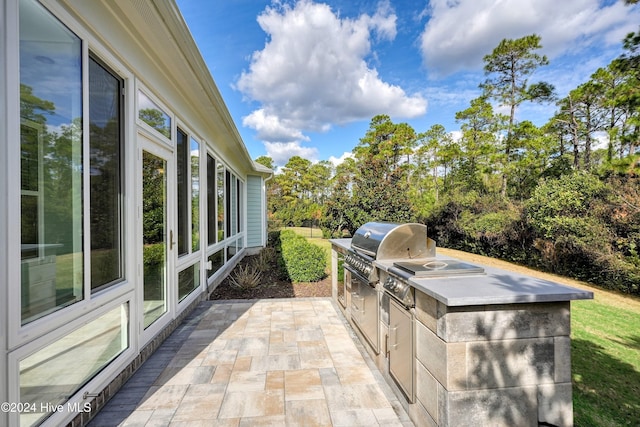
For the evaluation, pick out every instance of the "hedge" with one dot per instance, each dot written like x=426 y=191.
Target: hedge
x=303 y=261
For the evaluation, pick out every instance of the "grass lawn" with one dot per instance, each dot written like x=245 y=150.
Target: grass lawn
x=605 y=346
x=606 y=360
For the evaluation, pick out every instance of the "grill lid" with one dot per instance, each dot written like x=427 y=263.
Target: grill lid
x=386 y=240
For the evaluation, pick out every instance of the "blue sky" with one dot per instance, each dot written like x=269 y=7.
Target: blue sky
x=306 y=77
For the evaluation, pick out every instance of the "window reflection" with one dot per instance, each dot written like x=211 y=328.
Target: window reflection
x=211 y=200
x=154 y=194
x=49 y=376
x=51 y=163
x=195 y=195
x=188 y=280
x=182 y=154
x=105 y=140
x=153 y=115
x=220 y=211
x=217 y=261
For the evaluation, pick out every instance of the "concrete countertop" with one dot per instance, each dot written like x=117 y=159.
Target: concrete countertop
x=495 y=286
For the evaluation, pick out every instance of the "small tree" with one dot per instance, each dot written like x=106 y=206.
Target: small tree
x=509 y=66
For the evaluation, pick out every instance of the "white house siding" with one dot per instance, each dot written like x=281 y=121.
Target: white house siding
x=146 y=44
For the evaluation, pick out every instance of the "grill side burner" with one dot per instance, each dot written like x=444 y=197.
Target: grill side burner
x=437 y=267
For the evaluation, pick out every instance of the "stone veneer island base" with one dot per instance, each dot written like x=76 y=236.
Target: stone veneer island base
x=498 y=365
x=489 y=350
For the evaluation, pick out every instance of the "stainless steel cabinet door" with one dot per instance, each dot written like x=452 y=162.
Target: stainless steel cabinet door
x=401 y=353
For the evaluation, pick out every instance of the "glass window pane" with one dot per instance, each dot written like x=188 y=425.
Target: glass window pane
x=211 y=200
x=53 y=374
x=233 y=208
x=239 y=206
x=220 y=213
x=182 y=152
x=188 y=280
x=227 y=193
x=153 y=115
x=217 y=261
x=195 y=195
x=51 y=163
x=105 y=145
x=232 y=250
x=154 y=194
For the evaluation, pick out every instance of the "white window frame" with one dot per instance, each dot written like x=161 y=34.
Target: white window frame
x=154 y=133
x=19 y=334
x=97 y=383
x=23 y=340
x=192 y=257
x=163 y=151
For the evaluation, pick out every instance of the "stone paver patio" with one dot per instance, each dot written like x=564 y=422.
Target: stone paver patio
x=284 y=362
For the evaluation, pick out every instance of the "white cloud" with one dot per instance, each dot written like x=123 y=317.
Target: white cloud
x=271 y=127
x=459 y=33
x=456 y=135
x=312 y=72
x=281 y=152
x=338 y=160
x=601 y=140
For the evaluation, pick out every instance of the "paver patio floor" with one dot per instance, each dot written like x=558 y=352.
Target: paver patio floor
x=284 y=362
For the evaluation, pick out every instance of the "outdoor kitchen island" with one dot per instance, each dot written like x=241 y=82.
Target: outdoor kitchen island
x=486 y=347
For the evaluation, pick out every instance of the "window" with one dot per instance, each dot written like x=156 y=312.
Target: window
x=182 y=149
x=211 y=200
x=239 y=206
x=233 y=208
x=220 y=211
x=188 y=153
x=51 y=119
x=154 y=116
x=216 y=261
x=195 y=195
x=52 y=167
x=234 y=204
x=105 y=182
x=154 y=238
x=49 y=376
x=188 y=280
x=228 y=198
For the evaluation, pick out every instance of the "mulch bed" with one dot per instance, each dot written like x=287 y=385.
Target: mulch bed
x=273 y=285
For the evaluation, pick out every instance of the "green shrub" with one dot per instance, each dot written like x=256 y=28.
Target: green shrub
x=153 y=254
x=303 y=261
x=585 y=229
x=564 y=206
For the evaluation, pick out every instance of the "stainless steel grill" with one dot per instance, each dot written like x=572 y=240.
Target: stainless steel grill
x=386 y=241
x=403 y=252
x=412 y=253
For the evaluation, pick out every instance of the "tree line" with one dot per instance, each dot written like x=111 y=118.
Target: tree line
x=550 y=196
